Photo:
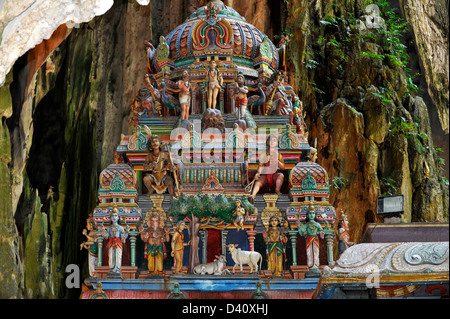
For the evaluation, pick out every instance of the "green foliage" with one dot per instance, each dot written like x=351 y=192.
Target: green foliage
x=440 y=163
x=388 y=186
x=390 y=38
x=439 y=160
x=205 y=205
x=383 y=95
x=400 y=125
x=373 y=56
x=339 y=182
x=420 y=139
x=337 y=51
x=410 y=86
x=312 y=64
x=314 y=85
x=331 y=21
x=321 y=40
x=309 y=62
x=224 y=206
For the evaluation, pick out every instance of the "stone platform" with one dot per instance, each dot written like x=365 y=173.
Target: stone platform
x=406 y=232
x=203 y=287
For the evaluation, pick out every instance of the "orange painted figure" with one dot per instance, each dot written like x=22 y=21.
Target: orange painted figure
x=154 y=237
x=268 y=174
x=178 y=245
x=157 y=167
x=276 y=246
x=215 y=81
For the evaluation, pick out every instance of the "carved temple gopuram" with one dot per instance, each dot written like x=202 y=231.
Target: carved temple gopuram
x=219 y=174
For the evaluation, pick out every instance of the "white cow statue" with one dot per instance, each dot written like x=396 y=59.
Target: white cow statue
x=214 y=268
x=241 y=257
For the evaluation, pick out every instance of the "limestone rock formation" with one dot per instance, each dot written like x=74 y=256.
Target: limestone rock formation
x=373 y=131
x=429 y=23
x=25 y=24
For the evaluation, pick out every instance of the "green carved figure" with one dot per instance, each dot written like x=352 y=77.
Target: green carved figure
x=311 y=230
x=163 y=50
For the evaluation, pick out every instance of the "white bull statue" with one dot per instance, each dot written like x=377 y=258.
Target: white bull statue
x=241 y=257
x=214 y=268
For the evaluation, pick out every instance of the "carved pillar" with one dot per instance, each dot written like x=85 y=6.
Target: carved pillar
x=157 y=201
x=224 y=235
x=270 y=210
x=221 y=100
x=133 y=234
x=251 y=239
x=204 y=239
x=329 y=237
x=100 y=251
x=293 y=236
x=230 y=92
x=197 y=101
x=203 y=103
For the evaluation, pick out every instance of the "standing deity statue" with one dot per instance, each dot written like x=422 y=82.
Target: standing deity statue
x=240 y=96
x=154 y=237
x=186 y=87
x=239 y=212
x=344 y=236
x=275 y=246
x=215 y=81
x=298 y=116
x=117 y=236
x=177 y=245
x=91 y=244
x=311 y=230
x=157 y=166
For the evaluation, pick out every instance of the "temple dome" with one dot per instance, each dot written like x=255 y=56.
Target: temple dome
x=117 y=178
x=308 y=176
x=215 y=30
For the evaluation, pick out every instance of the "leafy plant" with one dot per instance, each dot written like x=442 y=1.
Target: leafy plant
x=314 y=85
x=312 y=64
x=373 y=56
x=400 y=125
x=388 y=186
x=331 y=21
x=339 y=182
x=205 y=205
x=390 y=37
x=440 y=161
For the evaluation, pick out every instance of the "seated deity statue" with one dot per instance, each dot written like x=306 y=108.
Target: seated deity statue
x=157 y=167
x=268 y=174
